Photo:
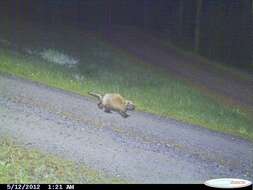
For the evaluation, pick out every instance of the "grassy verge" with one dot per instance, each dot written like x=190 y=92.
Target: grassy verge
x=240 y=73
x=104 y=69
x=19 y=165
x=151 y=90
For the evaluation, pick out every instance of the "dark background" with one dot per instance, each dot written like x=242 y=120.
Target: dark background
x=218 y=29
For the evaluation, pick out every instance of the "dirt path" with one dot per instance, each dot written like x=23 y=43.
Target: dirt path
x=149 y=49
x=142 y=148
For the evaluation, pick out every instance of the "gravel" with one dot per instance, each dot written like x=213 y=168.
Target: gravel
x=142 y=148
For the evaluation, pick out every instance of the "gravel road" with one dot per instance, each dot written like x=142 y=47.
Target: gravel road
x=142 y=148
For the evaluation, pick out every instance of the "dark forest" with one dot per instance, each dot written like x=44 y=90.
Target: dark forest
x=212 y=28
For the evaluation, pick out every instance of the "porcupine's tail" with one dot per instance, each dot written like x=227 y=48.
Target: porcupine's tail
x=99 y=96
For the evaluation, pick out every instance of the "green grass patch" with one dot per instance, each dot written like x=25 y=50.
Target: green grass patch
x=20 y=165
x=241 y=73
x=105 y=69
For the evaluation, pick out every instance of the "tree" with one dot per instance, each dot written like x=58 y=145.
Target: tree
x=198 y=25
x=181 y=18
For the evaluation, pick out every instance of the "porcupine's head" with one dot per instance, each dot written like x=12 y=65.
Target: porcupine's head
x=130 y=105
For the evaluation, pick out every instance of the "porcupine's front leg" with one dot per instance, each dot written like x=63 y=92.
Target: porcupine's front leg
x=123 y=114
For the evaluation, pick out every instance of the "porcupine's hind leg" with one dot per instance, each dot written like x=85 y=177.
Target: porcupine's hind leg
x=100 y=105
x=107 y=110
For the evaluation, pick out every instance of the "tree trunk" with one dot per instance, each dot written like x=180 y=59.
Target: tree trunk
x=181 y=21
x=252 y=32
x=197 y=27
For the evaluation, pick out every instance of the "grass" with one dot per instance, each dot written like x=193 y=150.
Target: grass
x=19 y=165
x=105 y=69
x=240 y=73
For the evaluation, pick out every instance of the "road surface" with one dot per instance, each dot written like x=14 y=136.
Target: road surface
x=142 y=148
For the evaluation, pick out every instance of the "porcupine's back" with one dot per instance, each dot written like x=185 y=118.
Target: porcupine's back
x=114 y=101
